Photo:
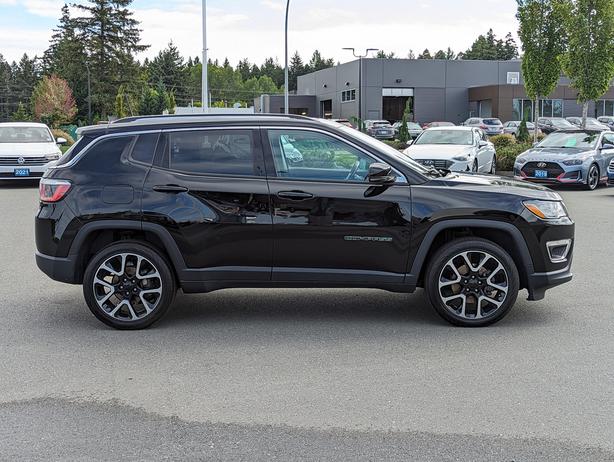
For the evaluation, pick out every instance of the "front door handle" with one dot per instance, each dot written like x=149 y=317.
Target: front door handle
x=170 y=188
x=295 y=195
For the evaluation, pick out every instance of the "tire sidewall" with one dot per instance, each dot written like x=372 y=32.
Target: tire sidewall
x=588 y=178
x=169 y=286
x=441 y=257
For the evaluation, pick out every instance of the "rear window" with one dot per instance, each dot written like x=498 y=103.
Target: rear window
x=145 y=148
x=75 y=149
x=492 y=122
x=107 y=156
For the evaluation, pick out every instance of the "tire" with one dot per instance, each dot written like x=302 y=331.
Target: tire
x=148 y=294
x=493 y=166
x=459 y=286
x=592 y=178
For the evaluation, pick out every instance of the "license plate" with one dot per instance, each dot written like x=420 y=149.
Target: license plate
x=541 y=173
x=21 y=172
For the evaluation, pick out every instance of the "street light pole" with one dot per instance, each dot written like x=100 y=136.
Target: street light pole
x=286 y=78
x=360 y=57
x=205 y=64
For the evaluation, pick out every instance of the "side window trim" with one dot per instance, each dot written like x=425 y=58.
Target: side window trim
x=271 y=170
x=155 y=150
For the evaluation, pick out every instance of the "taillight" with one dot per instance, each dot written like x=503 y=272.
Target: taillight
x=53 y=190
x=483 y=127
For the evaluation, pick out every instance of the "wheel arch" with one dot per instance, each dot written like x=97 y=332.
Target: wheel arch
x=94 y=236
x=503 y=234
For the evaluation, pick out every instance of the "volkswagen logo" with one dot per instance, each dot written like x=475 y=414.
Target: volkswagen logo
x=542 y=165
x=21 y=161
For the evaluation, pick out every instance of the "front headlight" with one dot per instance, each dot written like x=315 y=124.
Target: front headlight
x=461 y=158
x=573 y=162
x=546 y=210
x=521 y=160
x=54 y=156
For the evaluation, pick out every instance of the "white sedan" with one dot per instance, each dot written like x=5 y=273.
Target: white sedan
x=26 y=150
x=459 y=149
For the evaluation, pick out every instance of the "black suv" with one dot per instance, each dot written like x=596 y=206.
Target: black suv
x=142 y=207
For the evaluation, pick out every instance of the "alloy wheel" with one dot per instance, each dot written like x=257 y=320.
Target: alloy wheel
x=593 y=177
x=473 y=285
x=127 y=287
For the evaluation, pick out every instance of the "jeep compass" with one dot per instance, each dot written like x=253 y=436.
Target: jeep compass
x=145 y=206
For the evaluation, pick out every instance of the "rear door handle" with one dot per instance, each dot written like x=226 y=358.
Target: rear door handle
x=170 y=188
x=295 y=195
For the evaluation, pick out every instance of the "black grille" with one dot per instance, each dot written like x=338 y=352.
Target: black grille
x=435 y=163
x=552 y=168
x=14 y=161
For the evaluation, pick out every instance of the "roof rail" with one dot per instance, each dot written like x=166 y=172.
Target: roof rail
x=201 y=115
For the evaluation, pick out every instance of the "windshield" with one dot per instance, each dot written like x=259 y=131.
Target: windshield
x=492 y=122
x=381 y=123
x=380 y=146
x=457 y=137
x=570 y=140
x=413 y=126
x=25 y=135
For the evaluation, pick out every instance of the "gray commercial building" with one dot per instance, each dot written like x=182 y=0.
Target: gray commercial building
x=439 y=90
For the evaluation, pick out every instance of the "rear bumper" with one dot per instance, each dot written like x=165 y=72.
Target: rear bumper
x=57 y=268
x=539 y=283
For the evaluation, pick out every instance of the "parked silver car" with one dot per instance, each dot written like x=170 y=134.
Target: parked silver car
x=490 y=126
x=413 y=128
x=606 y=120
x=380 y=129
x=591 y=123
x=512 y=127
x=460 y=149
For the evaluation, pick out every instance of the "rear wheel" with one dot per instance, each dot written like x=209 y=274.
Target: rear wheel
x=128 y=285
x=592 y=178
x=493 y=165
x=472 y=282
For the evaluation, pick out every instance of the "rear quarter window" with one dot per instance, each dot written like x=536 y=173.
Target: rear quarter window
x=107 y=156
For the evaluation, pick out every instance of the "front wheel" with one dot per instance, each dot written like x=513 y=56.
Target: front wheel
x=472 y=282
x=592 y=178
x=128 y=285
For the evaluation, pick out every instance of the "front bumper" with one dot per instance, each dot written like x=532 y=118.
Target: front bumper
x=561 y=174
x=538 y=283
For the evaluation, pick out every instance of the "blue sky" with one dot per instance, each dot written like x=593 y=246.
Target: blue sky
x=254 y=28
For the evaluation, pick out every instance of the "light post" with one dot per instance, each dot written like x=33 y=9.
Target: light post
x=286 y=78
x=205 y=64
x=369 y=50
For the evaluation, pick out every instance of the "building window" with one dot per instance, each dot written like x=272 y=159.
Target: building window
x=604 y=107
x=523 y=108
x=513 y=78
x=348 y=95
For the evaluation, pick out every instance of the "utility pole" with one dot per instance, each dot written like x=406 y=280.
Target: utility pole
x=286 y=79
x=205 y=65
x=360 y=57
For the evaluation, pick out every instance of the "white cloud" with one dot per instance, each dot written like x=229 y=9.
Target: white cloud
x=274 y=5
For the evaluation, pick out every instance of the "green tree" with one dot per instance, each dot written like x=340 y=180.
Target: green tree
x=426 y=54
x=589 y=62
x=317 y=62
x=111 y=37
x=542 y=34
x=168 y=68
x=296 y=69
x=5 y=89
x=522 y=135
x=21 y=114
x=381 y=54
x=404 y=130
x=489 y=47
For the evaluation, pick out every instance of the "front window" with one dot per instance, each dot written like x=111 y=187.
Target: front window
x=25 y=135
x=455 y=137
x=582 y=140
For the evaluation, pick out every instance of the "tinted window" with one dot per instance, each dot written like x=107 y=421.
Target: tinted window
x=107 y=156
x=75 y=149
x=229 y=152
x=144 y=148
x=316 y=156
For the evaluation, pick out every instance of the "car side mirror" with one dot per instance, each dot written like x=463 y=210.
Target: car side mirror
x=482 y=144
x=60 y=141
x=380 y=173
x=410 y=142
x=607 y=146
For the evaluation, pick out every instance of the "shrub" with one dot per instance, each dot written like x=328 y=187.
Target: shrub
x=523 y=132
x=502 y=141
x=57 y=133
x=506 y=156
x=396 y=144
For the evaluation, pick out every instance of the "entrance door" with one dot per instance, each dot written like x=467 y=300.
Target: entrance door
x=329 y=223
x=326 y=109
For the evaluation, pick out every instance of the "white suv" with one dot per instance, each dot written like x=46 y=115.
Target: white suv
x=26 y=150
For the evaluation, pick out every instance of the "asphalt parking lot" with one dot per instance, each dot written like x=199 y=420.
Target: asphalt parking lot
x=307 y=374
